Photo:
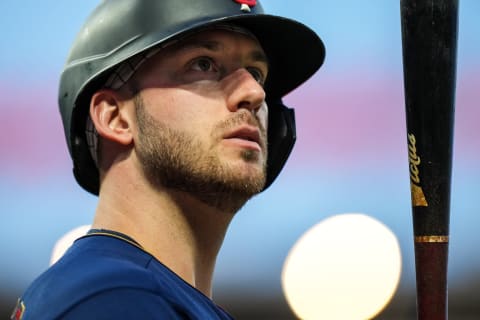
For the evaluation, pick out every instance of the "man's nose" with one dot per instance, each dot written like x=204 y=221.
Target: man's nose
x=243 y=91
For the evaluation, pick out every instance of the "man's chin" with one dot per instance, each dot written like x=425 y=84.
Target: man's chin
x=231 y=199
x=247 y=177
x=235 y=190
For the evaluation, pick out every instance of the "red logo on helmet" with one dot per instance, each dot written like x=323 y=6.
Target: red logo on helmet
x=246 y=4
x=250 y=3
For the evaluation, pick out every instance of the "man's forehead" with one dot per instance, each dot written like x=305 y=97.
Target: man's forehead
x=219 y=28
x=215 y=38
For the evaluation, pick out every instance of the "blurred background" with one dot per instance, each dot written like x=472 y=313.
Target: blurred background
x=350 y=156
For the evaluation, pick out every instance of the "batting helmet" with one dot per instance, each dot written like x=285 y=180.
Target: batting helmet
x=120 y=29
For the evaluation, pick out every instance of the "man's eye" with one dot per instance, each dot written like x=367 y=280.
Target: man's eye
x=204 y=64
x=257 y=74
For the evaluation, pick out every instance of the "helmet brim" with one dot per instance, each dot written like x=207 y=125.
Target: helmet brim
x=294 y=51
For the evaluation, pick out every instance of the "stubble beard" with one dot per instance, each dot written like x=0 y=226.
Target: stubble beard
x=178 y=160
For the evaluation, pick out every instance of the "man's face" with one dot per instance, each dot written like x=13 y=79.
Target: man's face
x=202 y=118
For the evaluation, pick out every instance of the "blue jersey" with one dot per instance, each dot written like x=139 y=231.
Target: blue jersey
x=105 y=277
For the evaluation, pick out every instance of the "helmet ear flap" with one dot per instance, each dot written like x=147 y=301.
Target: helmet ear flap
x=84 y=169
x=281 y=138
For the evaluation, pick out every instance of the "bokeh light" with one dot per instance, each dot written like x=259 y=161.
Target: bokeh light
x=346 y=267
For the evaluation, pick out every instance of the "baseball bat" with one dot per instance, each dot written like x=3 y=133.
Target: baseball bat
x=429 y=42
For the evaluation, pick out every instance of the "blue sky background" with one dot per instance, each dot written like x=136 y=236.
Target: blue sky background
x=351 y=152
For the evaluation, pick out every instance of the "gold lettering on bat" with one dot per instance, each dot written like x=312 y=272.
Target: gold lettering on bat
x=418 y=197
x=432 y=239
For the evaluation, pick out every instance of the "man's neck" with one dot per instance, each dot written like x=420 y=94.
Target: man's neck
x=177 y=229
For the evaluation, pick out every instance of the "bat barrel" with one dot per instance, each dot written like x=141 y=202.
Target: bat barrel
x=429 y=40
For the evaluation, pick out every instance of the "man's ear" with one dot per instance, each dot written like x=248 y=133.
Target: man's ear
x=110 y=116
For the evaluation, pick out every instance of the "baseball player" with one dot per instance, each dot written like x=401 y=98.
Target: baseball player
x=173 y=116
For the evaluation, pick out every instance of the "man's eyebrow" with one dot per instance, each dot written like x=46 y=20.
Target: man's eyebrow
x=215 y=46
x=199 y=43
x=260 y=56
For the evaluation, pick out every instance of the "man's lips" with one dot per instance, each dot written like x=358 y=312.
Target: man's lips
x=248 y=134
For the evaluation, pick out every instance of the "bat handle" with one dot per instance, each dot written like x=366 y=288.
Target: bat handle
x=431 y=259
